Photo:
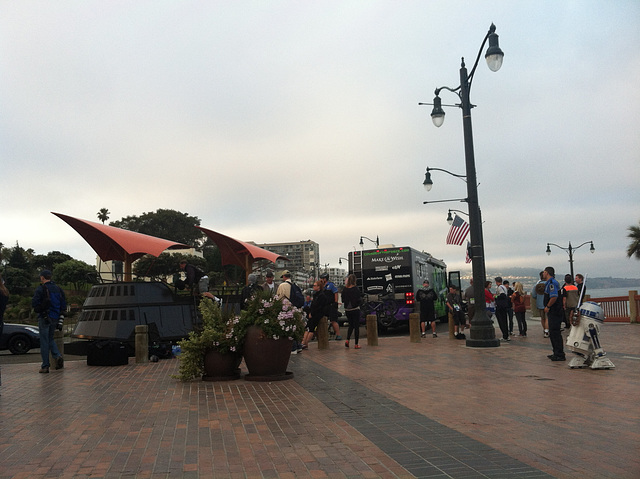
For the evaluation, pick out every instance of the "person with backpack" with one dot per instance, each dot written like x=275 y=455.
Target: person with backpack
x=49 y=302
x=331 y=312
x=287 y=289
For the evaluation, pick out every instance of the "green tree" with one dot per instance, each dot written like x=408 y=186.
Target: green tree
x=634 y=246
x=168 y=224
x=18 y=281
x=103 y=214
x=18 y=258
x=164 y=266
x=50 y=260
x=74 y=272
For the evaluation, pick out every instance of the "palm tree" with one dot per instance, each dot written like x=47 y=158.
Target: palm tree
x=103 y=214
x=634 y=246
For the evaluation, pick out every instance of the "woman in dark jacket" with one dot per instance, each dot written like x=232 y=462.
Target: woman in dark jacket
x=351 y=298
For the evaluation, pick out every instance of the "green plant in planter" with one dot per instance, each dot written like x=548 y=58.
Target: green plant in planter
x=277 y=317
x=220 y=332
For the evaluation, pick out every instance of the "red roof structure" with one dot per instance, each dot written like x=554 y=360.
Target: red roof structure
x=238 y=252
x=111 y=243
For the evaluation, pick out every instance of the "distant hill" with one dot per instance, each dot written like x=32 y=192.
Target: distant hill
x=530 y=276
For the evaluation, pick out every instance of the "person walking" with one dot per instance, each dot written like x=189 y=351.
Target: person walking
x=352 y=299
x=519 y=308
x=332 y=307
x=553 y=308
x=426 y=297
x=49 y=302
x=502 y=300
x=317 y=310
x=489 y=300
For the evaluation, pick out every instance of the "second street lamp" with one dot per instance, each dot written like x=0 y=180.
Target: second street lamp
x=570 y=251
x=482 y=333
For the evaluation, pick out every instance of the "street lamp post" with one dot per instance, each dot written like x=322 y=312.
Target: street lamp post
x=570 y=251
x=376 y=242
x=482 y=333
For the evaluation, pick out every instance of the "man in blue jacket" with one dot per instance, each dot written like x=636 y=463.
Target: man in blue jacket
x=555 y=313
x=49 y=302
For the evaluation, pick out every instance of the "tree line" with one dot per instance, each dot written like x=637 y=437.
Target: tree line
x=20 y=267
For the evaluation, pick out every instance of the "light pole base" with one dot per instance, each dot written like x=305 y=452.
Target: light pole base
x=482 y=335
x=483 y=343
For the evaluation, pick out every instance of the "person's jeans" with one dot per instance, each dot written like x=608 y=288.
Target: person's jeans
x=47 y=344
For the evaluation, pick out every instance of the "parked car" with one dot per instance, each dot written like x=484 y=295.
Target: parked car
x=19 y=338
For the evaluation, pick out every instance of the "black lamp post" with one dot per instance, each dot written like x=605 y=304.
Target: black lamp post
x=376 y=242
x=482 y=333
x=340 y=260
x=570 y=250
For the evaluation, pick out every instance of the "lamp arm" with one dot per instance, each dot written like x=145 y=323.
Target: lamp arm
x=462 y=177
x=486 y=37
x=462 y=200
x=586 y=242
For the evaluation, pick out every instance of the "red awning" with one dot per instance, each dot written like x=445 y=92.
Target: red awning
x=238 y=252
x=113 y=243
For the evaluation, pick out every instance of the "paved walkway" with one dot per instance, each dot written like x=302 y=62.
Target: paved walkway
x=398 y=410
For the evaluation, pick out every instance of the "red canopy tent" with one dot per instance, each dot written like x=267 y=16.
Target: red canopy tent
x=238 y=252
x=111 y=243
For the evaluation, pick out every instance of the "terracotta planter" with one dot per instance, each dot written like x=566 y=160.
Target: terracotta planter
x=266 y=358
x=221 y=366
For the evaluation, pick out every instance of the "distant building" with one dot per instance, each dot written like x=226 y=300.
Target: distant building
x=303 y=260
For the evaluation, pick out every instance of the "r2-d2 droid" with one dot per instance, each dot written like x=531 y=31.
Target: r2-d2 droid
x=583 y=338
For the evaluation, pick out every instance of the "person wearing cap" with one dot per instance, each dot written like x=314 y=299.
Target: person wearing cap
x=269 y=285
x=426 y=297
x=284 y=289
x=555 y=314
x=332 y=308
x=49 y=302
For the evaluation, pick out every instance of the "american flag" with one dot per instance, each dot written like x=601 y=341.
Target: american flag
x=467 y=258
x=458 y=231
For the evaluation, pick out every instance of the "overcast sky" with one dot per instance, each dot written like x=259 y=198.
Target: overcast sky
x=279 y=121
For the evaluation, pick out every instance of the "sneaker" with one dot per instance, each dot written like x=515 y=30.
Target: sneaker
x=357 y=346
x=558 y=358
x=304 y=346
x=294 y=351
x=435 y=335
x=338 y=338
x=423 y=335
x=346 y=344
x=59 y=362
x=505 y=339
x=44 y=371
x=546 y=334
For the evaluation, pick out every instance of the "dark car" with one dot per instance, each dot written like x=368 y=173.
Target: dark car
x=19 y=338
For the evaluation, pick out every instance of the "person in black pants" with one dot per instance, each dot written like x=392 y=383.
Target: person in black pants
x=555 y=314
x=351 y=298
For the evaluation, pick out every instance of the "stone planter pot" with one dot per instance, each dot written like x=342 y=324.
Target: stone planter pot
x=266 y=358
x=221 y=366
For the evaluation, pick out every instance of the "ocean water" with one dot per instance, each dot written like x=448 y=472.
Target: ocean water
x=611 y=292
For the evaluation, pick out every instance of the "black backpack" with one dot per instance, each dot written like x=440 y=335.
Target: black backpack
x=295 y=296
